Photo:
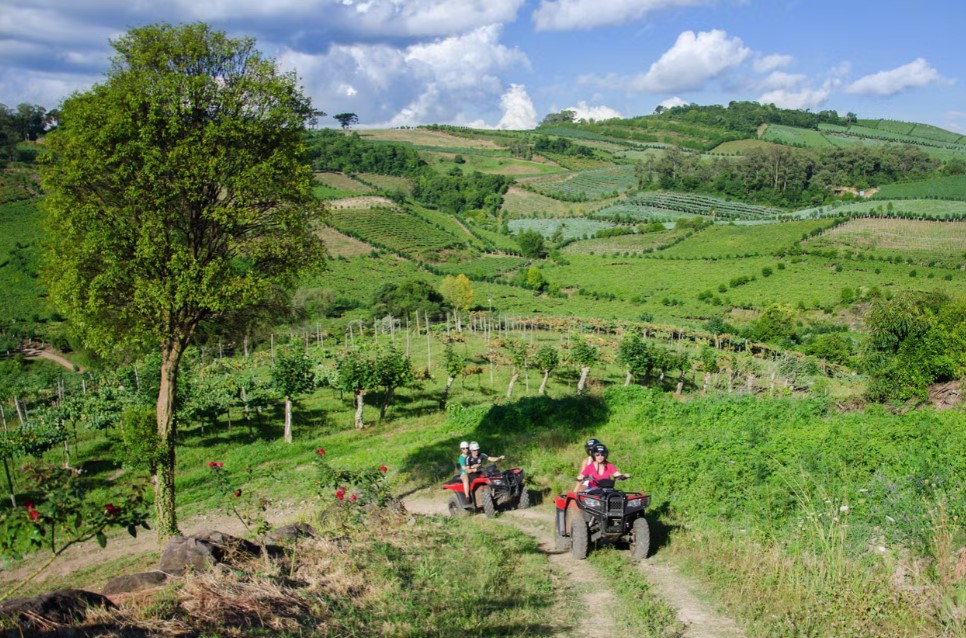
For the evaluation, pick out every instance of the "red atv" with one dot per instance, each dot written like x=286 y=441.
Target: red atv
x=490 y=490
x=605 y=514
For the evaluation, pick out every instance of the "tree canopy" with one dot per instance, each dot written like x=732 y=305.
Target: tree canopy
x=176 y=195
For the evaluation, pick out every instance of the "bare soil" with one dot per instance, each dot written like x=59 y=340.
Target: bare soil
x=685 y=595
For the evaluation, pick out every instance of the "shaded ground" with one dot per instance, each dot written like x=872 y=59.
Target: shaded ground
x=684 y=595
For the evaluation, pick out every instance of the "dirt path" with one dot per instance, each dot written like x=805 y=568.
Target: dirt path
x=30 y=352
x=682 y=594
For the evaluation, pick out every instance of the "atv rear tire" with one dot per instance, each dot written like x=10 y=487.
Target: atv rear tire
x=489 y=505
x=562 y=542
x=642 y=539
x=524 y=501
x=579 y=538
x=455 y=506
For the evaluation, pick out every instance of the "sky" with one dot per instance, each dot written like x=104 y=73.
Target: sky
x=508 y=63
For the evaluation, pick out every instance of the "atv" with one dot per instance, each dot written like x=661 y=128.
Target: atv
x=490 y=491
x=602 y=514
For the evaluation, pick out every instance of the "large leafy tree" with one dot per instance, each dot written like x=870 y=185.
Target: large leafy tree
x=177 y=196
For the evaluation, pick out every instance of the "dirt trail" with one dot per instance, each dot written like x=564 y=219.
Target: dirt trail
x=699 y=618
x=45 y=353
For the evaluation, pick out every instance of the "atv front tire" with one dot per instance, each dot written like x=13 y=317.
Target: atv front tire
x=524 y=501
x=489 y=505
x=642 y=539
x=579 y=538
x=455 y=506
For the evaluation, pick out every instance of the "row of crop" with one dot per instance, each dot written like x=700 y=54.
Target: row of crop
x=700 y=204
x=888 y=136
x=624 y=212
x=566 y=228
x=392 y=228
x=948 y=187
x=590 y=184
x=914 y=129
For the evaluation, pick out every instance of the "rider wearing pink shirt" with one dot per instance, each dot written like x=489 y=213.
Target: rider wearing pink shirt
x=599 y=469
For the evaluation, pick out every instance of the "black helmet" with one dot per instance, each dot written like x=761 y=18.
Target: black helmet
x=600 y=448
x=591 y=444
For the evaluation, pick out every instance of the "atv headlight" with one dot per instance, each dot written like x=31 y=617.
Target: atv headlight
x=496 y=481
x=593 y=503
x=635 y=503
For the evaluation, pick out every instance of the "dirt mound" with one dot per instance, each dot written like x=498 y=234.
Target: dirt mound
x=944 y=396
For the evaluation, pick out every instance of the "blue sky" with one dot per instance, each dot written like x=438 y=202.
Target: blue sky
x=507 y=63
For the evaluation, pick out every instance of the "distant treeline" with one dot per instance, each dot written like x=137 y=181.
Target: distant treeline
x=453 y=192
x=786 y=176
x=746 y=117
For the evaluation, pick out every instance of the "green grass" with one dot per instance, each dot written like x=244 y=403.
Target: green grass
x=932 y=208
x=21 y=234
x=950 y=187
x=570 y=228
x=638 y=242
x=921 y=241
x=394 y=229
x=727 y=240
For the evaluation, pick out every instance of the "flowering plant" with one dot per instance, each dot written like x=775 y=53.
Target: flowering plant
x=246 y=506
x=348 y=494
x=63 y=515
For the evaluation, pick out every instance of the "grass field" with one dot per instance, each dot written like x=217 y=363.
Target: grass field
x=427 y=138
x=593 y=184
x=928 y=207
x=571 y=228
x=393 y=229
x=342 y=182
x=919 y=240
x=519 y=202
x=20 y=254
x=636 y=243
x=727 y=240
x=950 y=187
x=387 y=182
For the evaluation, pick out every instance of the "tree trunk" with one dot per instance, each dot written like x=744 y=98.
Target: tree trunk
x=359 y=405
x=445 y=398
x=288 y=420
x=584 y=371
x=707 y=380
x=543 y=384
x=680 y=388
x=628 y=378
x=385 y=403
x=513 y=380
x=164 y=496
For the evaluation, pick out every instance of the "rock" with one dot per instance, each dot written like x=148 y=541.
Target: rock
x=185 y=553
x=288 y=534
x=134 y=582
x=61 y=607
x=197 y=553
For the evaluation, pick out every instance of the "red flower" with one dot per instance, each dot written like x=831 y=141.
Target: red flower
x=33 y=514
x=215 y=464
x=237 y=493
x=352 y=497
x=111 y=510
x=383 y=469
x=340 y=493
x=320 y=451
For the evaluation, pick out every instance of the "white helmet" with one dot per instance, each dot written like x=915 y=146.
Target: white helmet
x=464 y=444
x=474 y=446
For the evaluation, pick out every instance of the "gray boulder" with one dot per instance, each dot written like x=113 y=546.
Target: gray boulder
x=198 y=553
x=134 y=582
x=62 y=607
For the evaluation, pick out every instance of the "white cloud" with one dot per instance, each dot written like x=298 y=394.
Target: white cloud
x=583 y=111
x=565 y=15
x=781 y=80
x=671 y=102
x=916 y=74
x=771 y=62
x=805 y=98
x=518 y=110
x=694 y=60
x=409 y=18
x=450 y=80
